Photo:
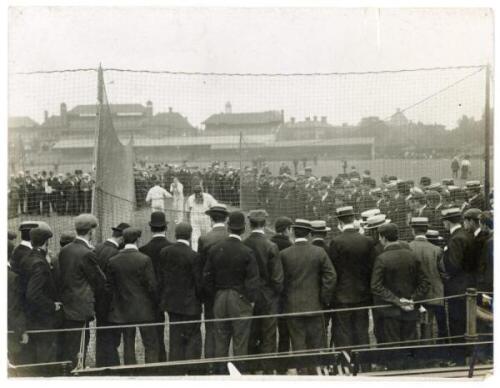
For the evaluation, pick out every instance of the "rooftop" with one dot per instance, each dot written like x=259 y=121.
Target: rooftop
x=272 y=116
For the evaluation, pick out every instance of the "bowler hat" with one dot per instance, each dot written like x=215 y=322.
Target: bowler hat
x=319 y=226
x=302 y=224
x=282 y=223
x=344 y=211
x=451 y=213
x=131 y=234
x=419 y=221
x=85 y=221
x=236 y=220
x=121 y=227
x=472 y=214
x=218 y=208
x=157 y=220
x=376 y=221
x=38 y=236
x=258 y=215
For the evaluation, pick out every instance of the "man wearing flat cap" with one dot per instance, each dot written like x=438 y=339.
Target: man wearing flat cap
x=158 y=225
x=352 y=255
x=263 y=331
x=132 y=282
x=231 y=274
x=218 y=215
x=82 y=280
x=179 y=285
x=309 y=281
x=397 y=279
x=105 y=353
x=430 y=257
x=459 y=273
x=41 y=299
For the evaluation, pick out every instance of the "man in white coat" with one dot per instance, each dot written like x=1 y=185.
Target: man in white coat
x=196 y=206
x=156 y=197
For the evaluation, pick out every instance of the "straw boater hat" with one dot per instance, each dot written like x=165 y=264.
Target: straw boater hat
x=369 y=213
x=419 y=221
x=376 y=221
x=319 y=226
x=302 y=224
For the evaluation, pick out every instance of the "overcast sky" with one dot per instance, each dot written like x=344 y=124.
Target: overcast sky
x=253 y=41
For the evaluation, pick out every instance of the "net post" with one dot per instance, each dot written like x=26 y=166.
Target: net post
x=241 y=170
x=471 y=311
x=487 y=130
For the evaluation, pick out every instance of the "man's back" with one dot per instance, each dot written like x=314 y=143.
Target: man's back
x=104 y=252
x=18 y=254
x=309 y=277
x=153 y=249
x=429 y=256
x=458 y=262
x=281 y=241
x=352 y=255
x=132 y=281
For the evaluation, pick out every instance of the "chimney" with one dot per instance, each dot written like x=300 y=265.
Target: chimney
x=323 y=119
x=149 y=109
x=292 y=120
x=229 y=108
x=170 y=109
x=64 y=115
x=315 y=118
x=46 y=116
x=282 y=116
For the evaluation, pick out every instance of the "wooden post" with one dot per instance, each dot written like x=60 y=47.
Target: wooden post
x=471 y=311
x=487 y=129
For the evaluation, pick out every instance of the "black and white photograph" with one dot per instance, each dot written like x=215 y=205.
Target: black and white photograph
x=249 y=192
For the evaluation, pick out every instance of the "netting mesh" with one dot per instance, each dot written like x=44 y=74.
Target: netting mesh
x=279 y=142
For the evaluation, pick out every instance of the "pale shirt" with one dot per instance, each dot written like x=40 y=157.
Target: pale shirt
x=113 y=242
x=26 y=244
x=300 y=239
x=235 y=236
x=131 y=246
x=455 y=228
x=157 y=196
x=258 y=231
x=185 y=242
x=217 y=224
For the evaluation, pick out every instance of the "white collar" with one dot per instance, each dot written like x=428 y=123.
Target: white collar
x=235 y=236
x=131 y=246
x=455 y=228
x=113 y=242
x=218 y=225
x=348 y=226
x=260 y=231
x=162 y=234
x=86 y=241
x=318 y=239
x=420 y=237
x=477 y=231
x=26 y=244
x=185 y=242
x=300 y=239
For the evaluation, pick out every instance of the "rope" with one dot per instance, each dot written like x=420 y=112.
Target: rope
x=81 y=354
x=297 y=314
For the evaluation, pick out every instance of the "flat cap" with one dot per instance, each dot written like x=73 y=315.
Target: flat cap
x=451 y=213
x=302 y=224
x=219 y=208
x=85 y=221
x=38 y=236
x=419 y=221
x=282 y=223
x=258 y=215
x=388 y=228
x=472 y=214
x=319 y=226
x=376 y=221
x=131 y=234
x=121 y=227
x=183 y=230
x=66 y=238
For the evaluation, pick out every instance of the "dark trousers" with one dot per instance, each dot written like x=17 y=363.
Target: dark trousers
x=350 y=327
x=71 y=341
x=378 y=325
x=283 y=340
x=45 y=204
x=208 y=311
x=457 y=323
x=263 y=331
x=149 y=340
x=231 y=304
x=42 y=348
x=160 y=333
x=106 y=353
x=398 y=330
x=307 y=332
x=438 y=313
x=185 y=339
x=17 y=353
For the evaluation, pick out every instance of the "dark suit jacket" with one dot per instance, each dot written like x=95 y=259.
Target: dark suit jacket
x=152 y=249
x=231 y=265
x=397 y=273
x=319 y=242
x=309 y=278
x=16 y=318
x=180 y=280
x=18 y=253
x=281 y=241
x=105 y=251
x=352 y=255
x=206 y=242
x=132 y=282
x=81 y=279
x=458 y=261
x=485 y=266
x=270 y=267
x=41 y=292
